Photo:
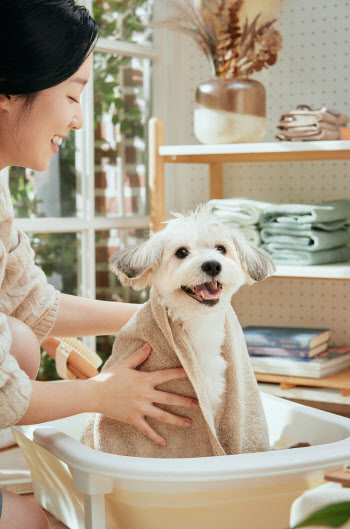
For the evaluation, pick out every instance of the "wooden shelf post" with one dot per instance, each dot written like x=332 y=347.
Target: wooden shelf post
x=216 y=180
x=156 y=175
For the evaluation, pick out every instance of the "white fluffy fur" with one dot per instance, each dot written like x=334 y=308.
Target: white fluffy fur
x=155 y=263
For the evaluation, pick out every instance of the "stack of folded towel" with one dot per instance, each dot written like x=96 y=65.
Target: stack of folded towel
x=301 y=234
x=241 y=213
x=308 y=124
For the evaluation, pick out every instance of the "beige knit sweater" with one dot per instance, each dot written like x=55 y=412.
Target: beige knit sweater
x=25 y=295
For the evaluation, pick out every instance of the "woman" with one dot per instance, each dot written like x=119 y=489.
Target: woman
x=44 y=65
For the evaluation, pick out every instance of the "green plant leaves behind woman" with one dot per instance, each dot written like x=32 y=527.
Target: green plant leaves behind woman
x=334 y=515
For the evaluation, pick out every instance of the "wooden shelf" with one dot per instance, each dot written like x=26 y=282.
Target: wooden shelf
x=337 y=271
x=321 y=395
x=216 y=155
x=340 y=381
x=256 y=152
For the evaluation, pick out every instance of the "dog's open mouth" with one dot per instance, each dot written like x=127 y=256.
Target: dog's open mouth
x=207 y=293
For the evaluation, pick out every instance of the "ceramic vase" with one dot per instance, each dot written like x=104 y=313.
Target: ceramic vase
x=230 y=111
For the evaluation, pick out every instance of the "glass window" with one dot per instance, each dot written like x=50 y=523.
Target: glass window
x=58 y=255
x=108 y=287
x=51 y=193
x=122 y=110
x=94 y=193
x=126 y=20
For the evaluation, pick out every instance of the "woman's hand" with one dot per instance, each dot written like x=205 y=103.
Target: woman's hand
x=127 y=395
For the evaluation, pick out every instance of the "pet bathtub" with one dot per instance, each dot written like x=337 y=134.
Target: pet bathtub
x=90 y=489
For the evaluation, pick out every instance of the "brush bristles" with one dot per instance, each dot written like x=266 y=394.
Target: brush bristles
x=84 y=350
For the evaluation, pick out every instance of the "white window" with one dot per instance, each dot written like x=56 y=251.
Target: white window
x=93 y=199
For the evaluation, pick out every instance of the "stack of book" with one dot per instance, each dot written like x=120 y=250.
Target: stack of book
x=294 y=351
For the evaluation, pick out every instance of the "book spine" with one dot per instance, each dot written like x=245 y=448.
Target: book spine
x=279 y=342
x=278 y=351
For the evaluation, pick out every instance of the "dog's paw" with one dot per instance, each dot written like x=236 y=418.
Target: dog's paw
x=300 y=444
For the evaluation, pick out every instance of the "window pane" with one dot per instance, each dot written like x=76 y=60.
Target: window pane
x=57 y=255
x=127 y=20
x=108 y=286
x=51 y=193
x=122 y=109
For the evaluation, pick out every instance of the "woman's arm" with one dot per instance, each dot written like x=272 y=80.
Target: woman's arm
x=121 y=393
x=89 y=317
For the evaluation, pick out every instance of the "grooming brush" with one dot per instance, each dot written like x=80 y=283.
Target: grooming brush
x=73 y=358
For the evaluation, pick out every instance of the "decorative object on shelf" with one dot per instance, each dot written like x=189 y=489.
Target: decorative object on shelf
x=308 y=124
x=295 y=351
x=285 y=337
x=307 y=234
x=230 y=108
x=241 y=213
x=322 y=365
x=284 y=352
x=230 y=111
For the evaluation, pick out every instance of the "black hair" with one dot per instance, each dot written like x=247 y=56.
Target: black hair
x=42 y=43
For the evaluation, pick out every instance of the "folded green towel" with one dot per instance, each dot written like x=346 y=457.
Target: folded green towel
x=251 y=233
x=296 y=214
x=242 y=211
x=305 y=257
x=312 y=240
x=296 y=228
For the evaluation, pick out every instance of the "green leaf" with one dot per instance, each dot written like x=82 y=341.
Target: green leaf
x=124 y=126
x=334 y=515
x=119 y=103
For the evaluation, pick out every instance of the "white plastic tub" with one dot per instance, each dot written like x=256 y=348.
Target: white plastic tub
x=250 y=491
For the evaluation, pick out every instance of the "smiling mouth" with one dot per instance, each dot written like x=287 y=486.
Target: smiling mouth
x=206 y=293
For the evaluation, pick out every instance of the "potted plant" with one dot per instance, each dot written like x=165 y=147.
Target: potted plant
x=238 y=41
x=334 y=515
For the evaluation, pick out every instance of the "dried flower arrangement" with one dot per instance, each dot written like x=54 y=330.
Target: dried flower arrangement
x=233 y=37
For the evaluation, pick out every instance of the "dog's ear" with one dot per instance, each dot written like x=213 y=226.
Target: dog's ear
x=133 y=265
x=256 y=263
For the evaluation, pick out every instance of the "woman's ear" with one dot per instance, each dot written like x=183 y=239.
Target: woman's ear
x=256 y=263
x=5 y=102
x=134 y=264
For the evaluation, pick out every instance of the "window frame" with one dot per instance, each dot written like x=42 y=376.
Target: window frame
x=86 y=222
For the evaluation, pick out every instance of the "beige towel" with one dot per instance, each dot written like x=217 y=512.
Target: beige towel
x=239 y=425
x=308 y=124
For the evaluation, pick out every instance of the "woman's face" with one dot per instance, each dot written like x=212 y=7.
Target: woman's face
x=28 y=141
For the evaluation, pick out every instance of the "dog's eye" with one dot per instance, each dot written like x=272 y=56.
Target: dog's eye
x=181 y=253
x=221 y=249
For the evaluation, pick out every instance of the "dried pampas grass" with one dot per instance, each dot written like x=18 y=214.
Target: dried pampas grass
x=237 y=36
x=266 y=9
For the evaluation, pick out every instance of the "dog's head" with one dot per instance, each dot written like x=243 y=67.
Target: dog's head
x=196 y=258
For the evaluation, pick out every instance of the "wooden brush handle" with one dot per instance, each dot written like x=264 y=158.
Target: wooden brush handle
x=76 y=362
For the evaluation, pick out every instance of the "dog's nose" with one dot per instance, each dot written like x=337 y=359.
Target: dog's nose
x=213 y=268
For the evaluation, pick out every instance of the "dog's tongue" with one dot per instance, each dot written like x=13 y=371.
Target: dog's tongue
x=210 y=290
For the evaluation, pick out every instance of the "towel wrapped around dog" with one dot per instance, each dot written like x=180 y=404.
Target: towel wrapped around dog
x=239 y=425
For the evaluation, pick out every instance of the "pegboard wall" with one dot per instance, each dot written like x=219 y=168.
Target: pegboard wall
x=313 y=68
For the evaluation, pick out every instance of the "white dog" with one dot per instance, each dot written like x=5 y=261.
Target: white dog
x=196 y=264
